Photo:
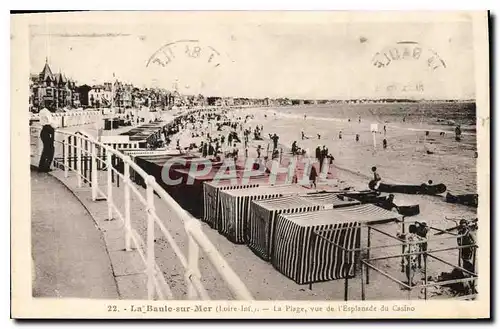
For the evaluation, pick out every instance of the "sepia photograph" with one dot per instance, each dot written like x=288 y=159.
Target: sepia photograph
x=250 y=164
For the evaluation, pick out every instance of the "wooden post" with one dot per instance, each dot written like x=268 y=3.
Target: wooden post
x=363 y=270
x=425 y=274
x=346 y=288
x=346 y=281
x=403 y=230
x=410 y=279
x=368 y=254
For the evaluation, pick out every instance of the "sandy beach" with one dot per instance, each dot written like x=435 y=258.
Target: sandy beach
x=405 y=160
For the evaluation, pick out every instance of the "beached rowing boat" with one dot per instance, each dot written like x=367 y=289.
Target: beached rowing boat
x=374 y=197
x=409 y=189
x=470 y=199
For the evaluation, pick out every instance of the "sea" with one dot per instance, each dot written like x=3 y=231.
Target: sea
x=432 y=113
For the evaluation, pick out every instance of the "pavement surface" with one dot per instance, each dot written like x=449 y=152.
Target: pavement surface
x=68 y=250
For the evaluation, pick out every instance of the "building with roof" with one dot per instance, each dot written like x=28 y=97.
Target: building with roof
x=100 y=95
x=52 y=91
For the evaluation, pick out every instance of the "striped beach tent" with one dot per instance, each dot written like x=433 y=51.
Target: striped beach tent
x=304 y=257
x=263 y=215
x=262 y=218
x=235 y=206
x=211 y=200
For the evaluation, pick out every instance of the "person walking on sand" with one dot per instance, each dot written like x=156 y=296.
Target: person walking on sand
x=318 y=152
x=340 y=134
x=259 y=148
x=385 y=130
x=359 y=118
x=275 y=139
x=235 y=152
x=458 y=133
x=302 y=134
x=204 y=149
x=376 y=178
x=294 y=148
x=313 y=175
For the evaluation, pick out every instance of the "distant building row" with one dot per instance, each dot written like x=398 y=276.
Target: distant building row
x=56 y=91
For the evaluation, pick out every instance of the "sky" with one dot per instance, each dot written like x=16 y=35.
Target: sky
x=313 y=55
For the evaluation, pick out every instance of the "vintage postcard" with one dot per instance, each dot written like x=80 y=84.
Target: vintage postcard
x=250 y=165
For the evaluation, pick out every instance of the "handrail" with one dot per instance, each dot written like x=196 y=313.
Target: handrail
x=196 y=237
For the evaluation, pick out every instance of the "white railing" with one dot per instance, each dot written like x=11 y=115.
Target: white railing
x=157 y=287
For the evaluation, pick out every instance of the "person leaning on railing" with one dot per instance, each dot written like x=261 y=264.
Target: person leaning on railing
x=467 y=237
x=47 y=137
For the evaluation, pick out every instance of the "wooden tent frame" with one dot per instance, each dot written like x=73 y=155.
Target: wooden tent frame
x=365 y=264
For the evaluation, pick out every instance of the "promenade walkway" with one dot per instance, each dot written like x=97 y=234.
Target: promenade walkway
x=69 y=252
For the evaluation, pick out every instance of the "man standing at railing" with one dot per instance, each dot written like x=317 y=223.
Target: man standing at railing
x=47 y=137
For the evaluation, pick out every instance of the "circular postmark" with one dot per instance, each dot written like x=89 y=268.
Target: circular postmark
x=408 y=50
x=185 y=65
x=397 y=58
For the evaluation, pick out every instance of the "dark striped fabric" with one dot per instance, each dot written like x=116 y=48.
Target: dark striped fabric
x=117 y=146
x=262 y=218
x=235 y=205
x=369 y=214
x=329 y=200
x=211 y=200
x=304 y=257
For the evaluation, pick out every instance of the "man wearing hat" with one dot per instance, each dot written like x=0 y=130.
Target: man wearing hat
x=47 y=137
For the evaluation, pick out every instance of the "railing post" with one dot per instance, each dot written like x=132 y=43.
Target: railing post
x=109 y=196
x=79 y=171
x=66 y=146
x=94 y=171
x=150 y=236
x=363 y=283
x=126 y=173
x=368 y=246
x=193 y=257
